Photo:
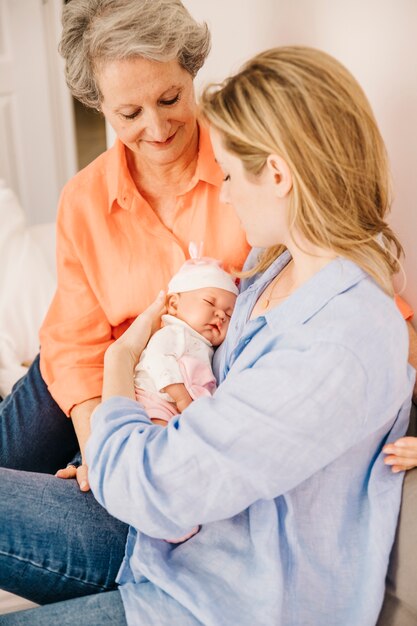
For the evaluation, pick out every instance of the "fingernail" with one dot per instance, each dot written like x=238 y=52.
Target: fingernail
x=84 y=484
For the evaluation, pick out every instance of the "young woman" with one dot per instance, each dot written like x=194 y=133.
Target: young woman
x=282 y=468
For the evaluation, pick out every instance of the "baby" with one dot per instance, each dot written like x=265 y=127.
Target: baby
x=175 y=367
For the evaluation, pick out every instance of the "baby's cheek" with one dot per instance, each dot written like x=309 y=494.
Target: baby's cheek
x=225 y=328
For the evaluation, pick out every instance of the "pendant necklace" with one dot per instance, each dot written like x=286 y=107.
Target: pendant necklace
x=266 y=301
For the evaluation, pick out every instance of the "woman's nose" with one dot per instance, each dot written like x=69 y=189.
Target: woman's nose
x=157 y=127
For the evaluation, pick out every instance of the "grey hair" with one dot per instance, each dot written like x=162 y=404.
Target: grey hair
x=96 y=31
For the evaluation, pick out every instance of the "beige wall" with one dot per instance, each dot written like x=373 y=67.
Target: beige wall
x=375 y=39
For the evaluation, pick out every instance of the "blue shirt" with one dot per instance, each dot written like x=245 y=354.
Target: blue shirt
x=282 y=467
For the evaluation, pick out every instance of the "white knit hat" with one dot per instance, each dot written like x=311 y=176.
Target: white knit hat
x=199 y=272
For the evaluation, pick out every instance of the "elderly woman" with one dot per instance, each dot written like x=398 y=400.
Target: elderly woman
x=125 y=222
x=282 y=468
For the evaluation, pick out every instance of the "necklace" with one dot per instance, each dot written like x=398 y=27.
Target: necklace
x=266 y=301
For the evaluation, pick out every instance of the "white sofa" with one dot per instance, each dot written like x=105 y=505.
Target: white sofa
x=27 y=283
x=27 y=279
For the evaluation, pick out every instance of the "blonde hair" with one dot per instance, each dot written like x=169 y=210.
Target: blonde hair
x=97 y=31
x=303 y=105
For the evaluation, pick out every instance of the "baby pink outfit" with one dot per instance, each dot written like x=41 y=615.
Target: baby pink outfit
x=175 y=354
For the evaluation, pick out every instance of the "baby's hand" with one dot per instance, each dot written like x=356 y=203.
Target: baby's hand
x=402 y=454
x=179 y=394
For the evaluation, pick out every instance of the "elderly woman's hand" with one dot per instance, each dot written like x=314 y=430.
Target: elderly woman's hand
x=123 y=354
x=402 y=454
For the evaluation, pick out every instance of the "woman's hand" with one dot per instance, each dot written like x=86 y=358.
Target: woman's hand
x=402 y=454
x=123 y=354
x=80 y=473
x=135 y=338
x=80 y=415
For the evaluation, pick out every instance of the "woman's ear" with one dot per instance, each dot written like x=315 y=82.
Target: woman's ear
x=281 y=174
x=172 y=303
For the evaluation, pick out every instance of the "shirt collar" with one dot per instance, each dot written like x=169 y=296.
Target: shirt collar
x=335 y=278
x=207 y=169
x=123 y=190
x=121 y=187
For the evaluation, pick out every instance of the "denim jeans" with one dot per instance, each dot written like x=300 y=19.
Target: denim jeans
x=56 y=542
x=35 y=435
x=98 y=610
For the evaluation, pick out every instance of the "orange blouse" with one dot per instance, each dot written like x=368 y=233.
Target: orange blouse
x=405 y=309
x=113 y=257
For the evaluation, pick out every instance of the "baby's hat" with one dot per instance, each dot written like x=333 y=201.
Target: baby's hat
x=199 y=272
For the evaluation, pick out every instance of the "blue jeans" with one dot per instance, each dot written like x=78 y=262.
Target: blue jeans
x=35 y=435
x=56 y=543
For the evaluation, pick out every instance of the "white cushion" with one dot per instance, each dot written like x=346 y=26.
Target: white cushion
x=27 y=279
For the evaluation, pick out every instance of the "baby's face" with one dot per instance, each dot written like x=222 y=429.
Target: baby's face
x=207 y=311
